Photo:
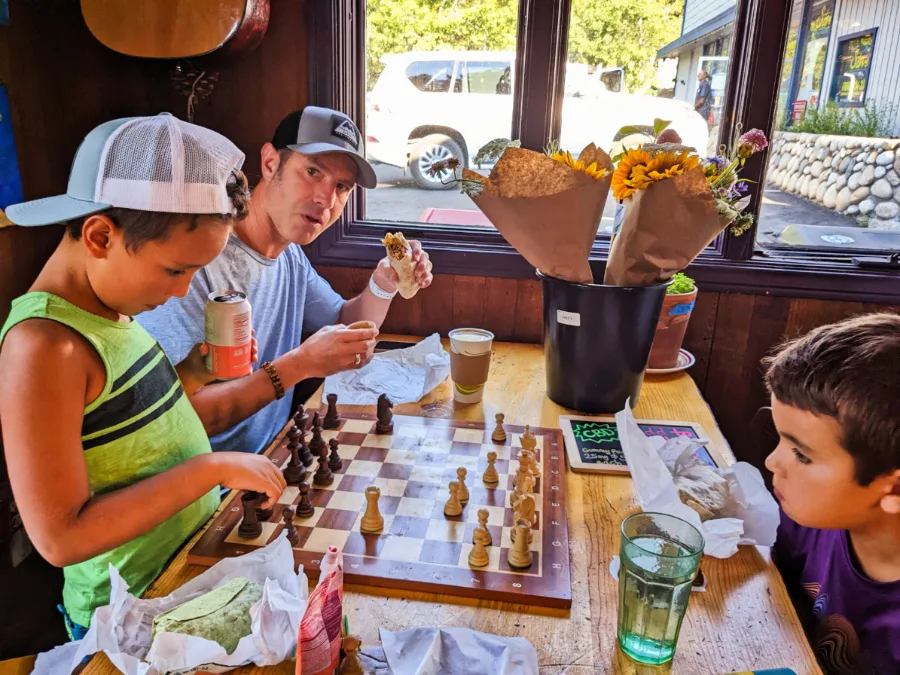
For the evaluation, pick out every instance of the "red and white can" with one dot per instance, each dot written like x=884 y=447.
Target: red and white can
x=228 y=334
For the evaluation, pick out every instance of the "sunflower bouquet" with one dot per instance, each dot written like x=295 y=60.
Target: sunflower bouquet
x=547 y=205
x=674 y=204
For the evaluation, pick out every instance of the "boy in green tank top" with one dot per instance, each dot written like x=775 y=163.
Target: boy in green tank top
x=108 y=461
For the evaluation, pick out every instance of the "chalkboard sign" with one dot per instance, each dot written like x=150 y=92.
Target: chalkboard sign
x=592 y=443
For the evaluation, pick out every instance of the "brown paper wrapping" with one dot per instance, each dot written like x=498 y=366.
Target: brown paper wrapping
x=664 y=228
x=554 y=233
x=469 y=371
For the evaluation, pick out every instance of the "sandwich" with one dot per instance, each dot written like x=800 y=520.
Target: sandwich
x=399 y=254
x=221 y=615
x=702 y=489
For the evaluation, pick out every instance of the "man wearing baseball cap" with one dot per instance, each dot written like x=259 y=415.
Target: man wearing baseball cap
x=310 y=168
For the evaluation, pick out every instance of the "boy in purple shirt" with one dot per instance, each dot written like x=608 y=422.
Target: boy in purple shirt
x=836 y=404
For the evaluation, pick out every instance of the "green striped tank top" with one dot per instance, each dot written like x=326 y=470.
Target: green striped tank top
x=141 y=424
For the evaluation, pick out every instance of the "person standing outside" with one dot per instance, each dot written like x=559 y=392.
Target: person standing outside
x=703 y=101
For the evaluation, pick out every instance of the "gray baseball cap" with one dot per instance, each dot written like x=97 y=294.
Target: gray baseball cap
x=157 y=163
x=315 y=131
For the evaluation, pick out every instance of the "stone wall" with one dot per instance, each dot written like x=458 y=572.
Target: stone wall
x=858 y=177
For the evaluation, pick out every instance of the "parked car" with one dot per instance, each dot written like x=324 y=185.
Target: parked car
x=428 y=106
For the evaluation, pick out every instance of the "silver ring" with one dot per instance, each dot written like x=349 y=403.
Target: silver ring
x=358 y=359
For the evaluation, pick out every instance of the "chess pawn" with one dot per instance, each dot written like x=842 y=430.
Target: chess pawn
x=305 y=509
x=520 y=556
x=372 y=520
x=317 y=442
x=482 y=522
x=499 y=435
x=293 y=536
x=490 y=476
x=294 y=472
x=463 y=490
x=323 y=476
x=332 y=418
x=250 y=527
x=303 y=453
x=334 y=459
x=350 y=665
x=478 y=556
x=453 y=507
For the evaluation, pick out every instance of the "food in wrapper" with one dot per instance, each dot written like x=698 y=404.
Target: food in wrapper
x=221 y=615
x=400 y=256
x=702 y=489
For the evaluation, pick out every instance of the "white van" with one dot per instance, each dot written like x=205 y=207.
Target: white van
x=428 y=106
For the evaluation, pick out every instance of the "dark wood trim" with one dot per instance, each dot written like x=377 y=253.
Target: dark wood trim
x=541 y=51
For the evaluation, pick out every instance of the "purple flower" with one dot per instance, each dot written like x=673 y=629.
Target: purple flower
x=718 y=162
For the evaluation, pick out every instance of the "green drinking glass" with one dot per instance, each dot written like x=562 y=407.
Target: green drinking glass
x=659 y=558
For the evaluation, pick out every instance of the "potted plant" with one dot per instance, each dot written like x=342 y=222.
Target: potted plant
x=673 y=320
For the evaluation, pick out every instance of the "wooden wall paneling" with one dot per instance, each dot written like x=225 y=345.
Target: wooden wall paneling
x=698 y=339
x=529 y=322
x=500 y=308
x=23 y=252
x=468 y=301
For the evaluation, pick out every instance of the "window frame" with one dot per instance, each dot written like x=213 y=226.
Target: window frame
x=835 y=84
x=337 y=76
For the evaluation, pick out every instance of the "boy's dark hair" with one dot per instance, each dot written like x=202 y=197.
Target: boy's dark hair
x=849 y=371
x=143 y=226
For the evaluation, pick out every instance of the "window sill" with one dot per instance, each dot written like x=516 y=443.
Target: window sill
x=487 y=254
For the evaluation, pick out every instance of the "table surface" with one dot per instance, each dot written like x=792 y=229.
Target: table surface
x=744 y=621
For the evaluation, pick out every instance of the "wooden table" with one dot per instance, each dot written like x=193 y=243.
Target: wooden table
x=744 y=621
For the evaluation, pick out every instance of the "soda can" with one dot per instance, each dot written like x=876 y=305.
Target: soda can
x=228 y=334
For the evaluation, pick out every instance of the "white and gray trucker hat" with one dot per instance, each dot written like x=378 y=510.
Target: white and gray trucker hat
x=314 y=131
x=157 y=163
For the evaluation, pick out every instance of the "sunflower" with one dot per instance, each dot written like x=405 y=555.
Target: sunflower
x=637 y=170
x=591 y=170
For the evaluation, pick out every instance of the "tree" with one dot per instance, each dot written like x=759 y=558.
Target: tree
x=610 y=33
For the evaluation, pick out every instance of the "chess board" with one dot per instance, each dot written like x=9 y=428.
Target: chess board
x=419 y=549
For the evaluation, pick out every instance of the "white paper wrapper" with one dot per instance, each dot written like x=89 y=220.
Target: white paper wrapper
x=405 y=375
x=450 y=651
x=122 y=628
x=750 y=518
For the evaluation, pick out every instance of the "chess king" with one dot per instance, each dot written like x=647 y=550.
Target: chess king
x=309 y=170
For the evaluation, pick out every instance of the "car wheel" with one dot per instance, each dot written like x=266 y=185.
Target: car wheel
x=431 y=149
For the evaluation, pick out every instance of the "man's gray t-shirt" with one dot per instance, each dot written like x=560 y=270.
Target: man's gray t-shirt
x=287 y=298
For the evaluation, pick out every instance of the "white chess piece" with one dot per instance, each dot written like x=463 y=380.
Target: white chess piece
x=482 y=522
x=453 y=507
x=461 y=479
x=490 y=476
x=520 y=555
x=478 y=556
x=525 y=512
x=372 y=520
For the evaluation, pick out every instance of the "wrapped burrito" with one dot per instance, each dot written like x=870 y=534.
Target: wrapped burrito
x=221 y=615
x=399 y=254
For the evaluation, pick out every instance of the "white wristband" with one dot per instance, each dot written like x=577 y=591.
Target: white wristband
x=378 y=291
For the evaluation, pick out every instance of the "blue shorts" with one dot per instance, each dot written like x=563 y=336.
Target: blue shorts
x=75 y=631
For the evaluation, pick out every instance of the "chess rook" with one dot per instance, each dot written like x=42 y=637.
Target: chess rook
x=372 y=520
x=332 y=418
x=520 y=555
x=250 y=527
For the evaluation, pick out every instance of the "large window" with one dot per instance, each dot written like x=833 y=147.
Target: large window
x=833 y=182
x=430 y=79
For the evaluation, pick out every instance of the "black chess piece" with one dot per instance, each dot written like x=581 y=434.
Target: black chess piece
x=261 y=513
x=301 y=419
x=293 y=536
x=385 y=424
x=305 y=456
x=294 y=472
x=317 y=443
x=250 y=527
x=334 y=459
x=323 y=475
x=304 y=507
x=332 y=418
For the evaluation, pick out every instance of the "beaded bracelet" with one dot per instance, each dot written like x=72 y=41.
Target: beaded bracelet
x=276 y=381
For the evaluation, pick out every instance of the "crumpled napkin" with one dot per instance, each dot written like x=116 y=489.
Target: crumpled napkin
x=405 y=375
x=752 y=516
x=122 y=628
x=451 y=651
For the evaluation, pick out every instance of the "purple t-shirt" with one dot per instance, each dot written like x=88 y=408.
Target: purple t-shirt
x=852 y=622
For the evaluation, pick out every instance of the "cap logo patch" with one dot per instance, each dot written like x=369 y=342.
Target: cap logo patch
x=345 y=129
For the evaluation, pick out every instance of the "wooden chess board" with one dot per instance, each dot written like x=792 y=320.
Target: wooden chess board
x=419 y=549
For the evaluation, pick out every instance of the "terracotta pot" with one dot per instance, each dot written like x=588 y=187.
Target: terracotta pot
x=673 y=321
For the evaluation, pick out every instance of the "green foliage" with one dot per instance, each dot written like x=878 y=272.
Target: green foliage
x=601 y=32
x=874 y=120
x=624 y=33
x=491 y=151
x=681 y=283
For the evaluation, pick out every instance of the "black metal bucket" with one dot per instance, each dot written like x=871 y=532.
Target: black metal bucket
x=597 y=341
